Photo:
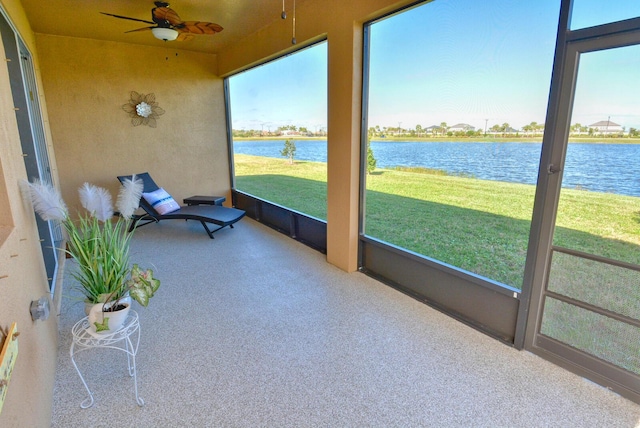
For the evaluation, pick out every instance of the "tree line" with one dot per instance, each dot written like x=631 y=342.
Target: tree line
x=286 y=130
x=442 y=130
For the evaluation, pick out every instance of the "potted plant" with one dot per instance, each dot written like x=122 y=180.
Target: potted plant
x=100 y=246
x=108 y=315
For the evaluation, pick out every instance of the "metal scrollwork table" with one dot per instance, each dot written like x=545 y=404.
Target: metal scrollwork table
x=126 y=339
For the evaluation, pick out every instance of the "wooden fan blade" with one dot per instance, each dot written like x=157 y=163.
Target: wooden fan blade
x=164 y=15
x=140 y=29
x=126 y=17
x=185 y=37
x=198 y=27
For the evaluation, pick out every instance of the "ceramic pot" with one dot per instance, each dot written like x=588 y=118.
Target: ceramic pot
x=88 y=305
x=101 y=322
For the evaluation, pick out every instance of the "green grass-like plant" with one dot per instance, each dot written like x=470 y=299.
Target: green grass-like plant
x=102 y=253
x=99 y=244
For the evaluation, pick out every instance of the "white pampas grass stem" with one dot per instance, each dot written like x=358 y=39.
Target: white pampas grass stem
x=97 y=201
x=47 y=201
x=129 y=197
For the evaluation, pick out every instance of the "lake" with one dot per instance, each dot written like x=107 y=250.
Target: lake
x=613 y=168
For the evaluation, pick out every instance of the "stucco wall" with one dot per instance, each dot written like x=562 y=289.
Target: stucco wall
x=88 y=81
x=22 y=274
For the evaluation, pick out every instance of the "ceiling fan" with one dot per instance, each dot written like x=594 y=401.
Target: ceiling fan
x=167 y=25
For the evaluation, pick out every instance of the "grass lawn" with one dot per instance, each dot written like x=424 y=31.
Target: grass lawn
x=478 y=225
x=301 y=186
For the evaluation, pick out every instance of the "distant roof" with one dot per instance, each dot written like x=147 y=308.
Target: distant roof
x=604 y=123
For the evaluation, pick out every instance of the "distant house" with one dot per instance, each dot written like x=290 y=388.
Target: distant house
x=461 y=127
x=433 y=129
x=606 y=127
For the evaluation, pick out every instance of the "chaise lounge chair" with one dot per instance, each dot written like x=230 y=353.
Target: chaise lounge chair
x=163 y=207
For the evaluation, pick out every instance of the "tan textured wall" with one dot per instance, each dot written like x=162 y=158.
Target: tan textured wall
x=22 y=273
x=87 y=82
x=341 y=23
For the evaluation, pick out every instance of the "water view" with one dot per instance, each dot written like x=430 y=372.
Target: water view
x=612 y=168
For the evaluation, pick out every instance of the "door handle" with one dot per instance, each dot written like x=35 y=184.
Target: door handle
x=552 y=169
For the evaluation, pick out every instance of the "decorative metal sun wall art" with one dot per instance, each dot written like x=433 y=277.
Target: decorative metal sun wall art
x=143 y=109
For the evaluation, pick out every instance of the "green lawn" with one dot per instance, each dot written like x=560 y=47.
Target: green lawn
x=301 y=186
x=478 y=225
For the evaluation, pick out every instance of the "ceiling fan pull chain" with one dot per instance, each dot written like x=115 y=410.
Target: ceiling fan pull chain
x=293 y=39
x=283 y=15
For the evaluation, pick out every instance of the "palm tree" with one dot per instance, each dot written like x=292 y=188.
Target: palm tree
x=576 y=128
x=532 y=127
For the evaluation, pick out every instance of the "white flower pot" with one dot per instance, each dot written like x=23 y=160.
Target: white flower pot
x=107 y=322
x=88 y=305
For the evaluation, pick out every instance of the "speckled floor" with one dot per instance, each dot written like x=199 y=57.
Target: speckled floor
x=253 y=329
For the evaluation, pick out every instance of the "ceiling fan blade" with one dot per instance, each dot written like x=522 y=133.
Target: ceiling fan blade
x=165 y=15
x=185 y=37
x=141 y=29
x=126 y=17
x=198 y=27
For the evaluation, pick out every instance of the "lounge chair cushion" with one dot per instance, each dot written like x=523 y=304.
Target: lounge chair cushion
x=161 y=201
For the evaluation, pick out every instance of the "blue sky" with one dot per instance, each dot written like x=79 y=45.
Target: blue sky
x=289 y=91
x=587 y=13
x=608 y=86
x=454 y=61
x=463 y=61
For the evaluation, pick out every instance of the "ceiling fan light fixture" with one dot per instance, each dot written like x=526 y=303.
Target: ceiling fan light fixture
x=166 y=34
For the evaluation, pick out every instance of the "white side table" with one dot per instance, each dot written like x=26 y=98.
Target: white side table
x=85 y=339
